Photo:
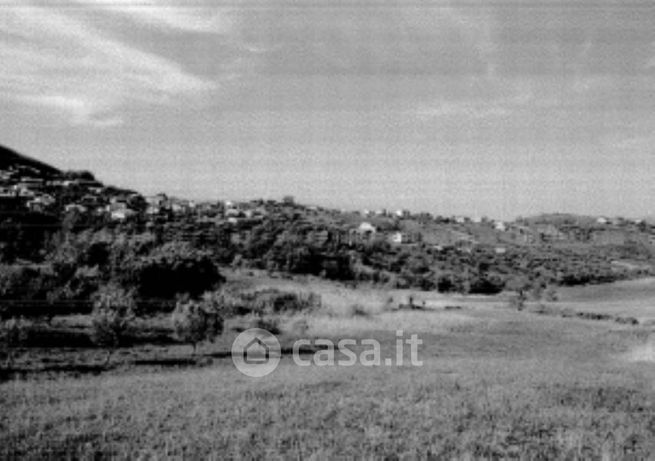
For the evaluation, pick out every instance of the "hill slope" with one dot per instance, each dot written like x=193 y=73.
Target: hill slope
x=10 y=158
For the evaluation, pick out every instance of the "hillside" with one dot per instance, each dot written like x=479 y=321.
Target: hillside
x=12 y=160
x=400 y=249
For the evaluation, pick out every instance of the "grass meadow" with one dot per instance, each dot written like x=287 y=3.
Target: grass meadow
x=494 y=384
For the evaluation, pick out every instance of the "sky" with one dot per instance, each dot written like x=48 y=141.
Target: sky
x=494 y=108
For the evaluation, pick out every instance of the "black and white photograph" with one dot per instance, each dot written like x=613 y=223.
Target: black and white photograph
x=327 y=230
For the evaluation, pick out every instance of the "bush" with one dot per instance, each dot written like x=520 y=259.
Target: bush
x=172 y=269
x=299 y=328
x=113 y=313
x=12 y=334
x=195 y=322
x=356 y=310
x=517 y=301
x=487 y=285
x=550 y=294
x=388 y=305
x=270 y=324
x=24 y=290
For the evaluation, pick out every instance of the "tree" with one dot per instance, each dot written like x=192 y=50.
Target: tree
x=198 y=321
x=172 y=269
x=113 y=313
x=520 y=285
x=12 y=333
x=550 y=294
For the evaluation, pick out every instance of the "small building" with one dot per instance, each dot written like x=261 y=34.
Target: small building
x=550 y=233
x=157 y=200
x=122 y=214
x=500 y=226
x=40 y=203
x=522 y=234
x=75 y=208
x=366 y=228
x=31 y=183
x=405 y=238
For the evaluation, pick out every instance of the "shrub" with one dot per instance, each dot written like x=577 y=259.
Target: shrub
x=388 y=305
x=271 y=324
x=172 y=269
x=299 y=328
x=487 y=285
x=272 y=301
x=517 y=300
x=356 y=310
x=113 y=313
x=195 y=322
x=24 y=290
x=12 y=334
x=550 y=294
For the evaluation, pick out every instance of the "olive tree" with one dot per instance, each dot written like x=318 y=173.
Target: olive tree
x=12 y=333
x=520 y=285
x=198 y=321
x=112 y=317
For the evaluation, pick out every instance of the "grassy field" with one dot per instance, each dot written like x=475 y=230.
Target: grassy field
x=494 y=384
x=635 y=298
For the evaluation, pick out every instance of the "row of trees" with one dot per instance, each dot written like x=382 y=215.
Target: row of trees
x=114 y=318
x=79 y=265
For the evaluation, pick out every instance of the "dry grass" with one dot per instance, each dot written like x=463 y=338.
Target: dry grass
x=495 y=384
x=633 y=298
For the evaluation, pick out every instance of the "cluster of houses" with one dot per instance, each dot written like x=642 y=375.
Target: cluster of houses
x=22 y=190
x=465 y=232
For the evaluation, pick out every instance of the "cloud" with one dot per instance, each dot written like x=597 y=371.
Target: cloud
x=55 y=61
x=392 y=38
x=167 y=14
x=497 y=100
x=468 y=109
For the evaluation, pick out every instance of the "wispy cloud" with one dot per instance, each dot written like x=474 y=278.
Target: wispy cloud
x=498 y=101
x=468 y=109
x=55 y=61
x=162 y=13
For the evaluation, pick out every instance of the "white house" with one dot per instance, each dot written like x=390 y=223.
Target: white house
x=500 y=226
x=75 y=207
x=366 y=228
x=122 y=214
x=396 y=237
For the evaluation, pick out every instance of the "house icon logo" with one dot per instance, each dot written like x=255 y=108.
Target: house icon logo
x=256 y=352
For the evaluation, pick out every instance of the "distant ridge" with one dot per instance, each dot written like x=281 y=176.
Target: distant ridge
x=9 y=158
